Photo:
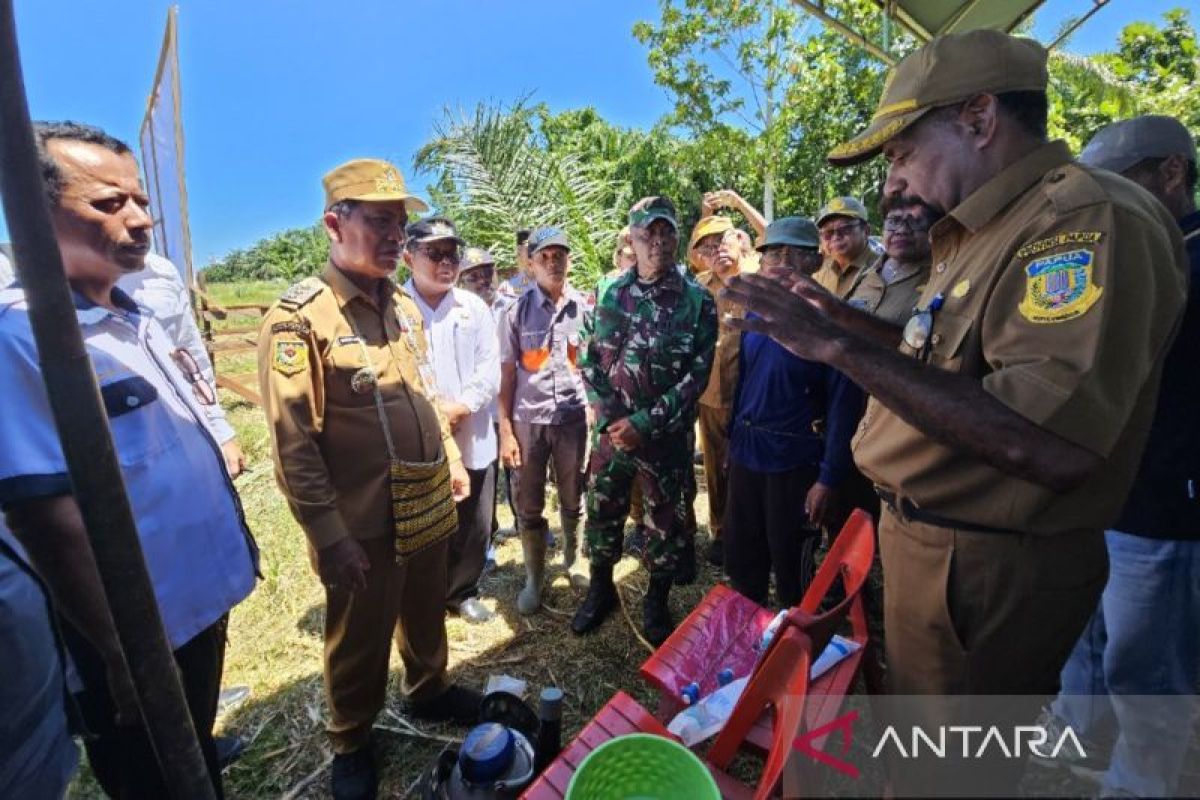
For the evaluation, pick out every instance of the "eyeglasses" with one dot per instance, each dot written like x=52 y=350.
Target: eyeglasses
x=205 y=394
x=893 y=224
x=451 y=256
x=842 y=230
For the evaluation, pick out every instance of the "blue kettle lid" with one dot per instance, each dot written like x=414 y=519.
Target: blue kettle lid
x=487 y=753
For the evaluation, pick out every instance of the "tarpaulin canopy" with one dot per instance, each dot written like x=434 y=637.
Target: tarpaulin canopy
x=925 y=19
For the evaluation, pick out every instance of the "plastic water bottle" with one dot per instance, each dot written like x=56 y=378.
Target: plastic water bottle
x=690 y=693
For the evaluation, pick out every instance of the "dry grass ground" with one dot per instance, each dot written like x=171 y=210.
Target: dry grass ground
x=275 y=642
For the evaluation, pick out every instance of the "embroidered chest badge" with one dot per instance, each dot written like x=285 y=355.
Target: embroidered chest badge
x=291 y=356
x=1059 y=287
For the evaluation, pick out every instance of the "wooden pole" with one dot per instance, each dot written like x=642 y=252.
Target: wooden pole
x=87 y=443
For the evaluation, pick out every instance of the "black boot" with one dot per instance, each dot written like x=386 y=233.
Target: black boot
x=656 y=616
x=353 y=776
x=600 y=601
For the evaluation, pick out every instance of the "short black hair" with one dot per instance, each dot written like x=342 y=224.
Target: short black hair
x=1030 y=109
x=53 y=179
x=523 y=236
x=344 y=208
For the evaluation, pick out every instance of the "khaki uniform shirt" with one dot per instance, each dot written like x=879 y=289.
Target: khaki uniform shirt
x=722 y=381
x=839 y=281
x=1063 y=288
x=893 y=302
x=331 y=460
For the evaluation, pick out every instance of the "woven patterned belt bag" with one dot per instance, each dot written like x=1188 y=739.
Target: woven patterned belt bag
x=423 y=511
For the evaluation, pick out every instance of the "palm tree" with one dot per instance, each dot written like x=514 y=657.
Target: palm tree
x=492 y=177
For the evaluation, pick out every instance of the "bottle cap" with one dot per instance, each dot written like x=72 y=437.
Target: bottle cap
x=550 y=703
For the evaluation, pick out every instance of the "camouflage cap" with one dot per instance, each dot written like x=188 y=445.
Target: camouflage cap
x=947 y=70
x=648 y=209
x=843 y=207
x=474 y=257
x=1121 y=145
x=368 y=180
x=432 y=229
x=547 y=236
x=792 y=231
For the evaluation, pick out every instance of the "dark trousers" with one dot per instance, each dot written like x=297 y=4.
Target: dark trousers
x=120 y=755
x=468 y=546
x=765 y=527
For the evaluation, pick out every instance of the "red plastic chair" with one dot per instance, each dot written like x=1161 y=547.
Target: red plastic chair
x=725 y=628
x=777 y=703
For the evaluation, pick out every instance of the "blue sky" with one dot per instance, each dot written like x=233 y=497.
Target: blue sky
x=275 y=92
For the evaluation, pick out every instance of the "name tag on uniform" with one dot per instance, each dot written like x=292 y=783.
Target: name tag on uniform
x=347 y=340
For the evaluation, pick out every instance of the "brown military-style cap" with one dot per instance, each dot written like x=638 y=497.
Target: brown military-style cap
x=948 y=70
x=369 y=180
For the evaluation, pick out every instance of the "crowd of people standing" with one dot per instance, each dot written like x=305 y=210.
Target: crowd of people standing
x=1014 y=364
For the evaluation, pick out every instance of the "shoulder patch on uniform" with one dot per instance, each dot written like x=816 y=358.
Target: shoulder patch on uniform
x=302 y=293
x=1057 y=240
x=290 y=356
x=291 y=326
x=1059 y=287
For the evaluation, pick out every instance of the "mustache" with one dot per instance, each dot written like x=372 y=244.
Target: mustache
x=896 y=200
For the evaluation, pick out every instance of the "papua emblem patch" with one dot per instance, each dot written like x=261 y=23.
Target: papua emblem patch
x=1059 y=287
x=291 y=356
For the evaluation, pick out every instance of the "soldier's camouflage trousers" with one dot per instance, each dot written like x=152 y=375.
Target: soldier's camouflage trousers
x=668 y=484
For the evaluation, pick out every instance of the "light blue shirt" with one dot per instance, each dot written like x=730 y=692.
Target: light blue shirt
x=200 y=555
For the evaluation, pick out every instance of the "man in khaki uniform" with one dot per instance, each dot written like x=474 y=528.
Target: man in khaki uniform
x=711 y=272
x=891 y=286
x=1005 y=434
x=340 y=356
x=845 y=228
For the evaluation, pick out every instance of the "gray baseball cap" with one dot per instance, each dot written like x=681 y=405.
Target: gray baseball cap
x=545 y=237
x=1121 y=145
x=794 y=231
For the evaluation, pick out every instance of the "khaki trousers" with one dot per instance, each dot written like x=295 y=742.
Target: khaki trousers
x=970 y=613
x=714 y=444
x=404 y=603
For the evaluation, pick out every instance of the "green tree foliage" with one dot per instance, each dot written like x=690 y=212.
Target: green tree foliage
x=1152 y=71
x=761 y=78
x=494 y=175
x=761 y=94
x=292 y=254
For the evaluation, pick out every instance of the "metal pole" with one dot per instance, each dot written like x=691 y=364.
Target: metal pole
x=87 y=443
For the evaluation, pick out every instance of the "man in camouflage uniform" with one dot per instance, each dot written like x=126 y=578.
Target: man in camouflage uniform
x=649 y=353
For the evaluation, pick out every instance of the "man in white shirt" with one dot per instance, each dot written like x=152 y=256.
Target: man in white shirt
x=465 y=354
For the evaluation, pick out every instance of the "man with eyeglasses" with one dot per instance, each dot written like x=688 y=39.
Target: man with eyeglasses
x=350 y=401
x=890 y=288
x=648 y=356
x=776 y=457
x=199 y=553
x=465 y=355
x=844 y=226
x=543 y=409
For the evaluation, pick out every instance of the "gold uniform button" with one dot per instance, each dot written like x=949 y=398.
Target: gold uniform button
x=936 y=339
x=941 y=267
